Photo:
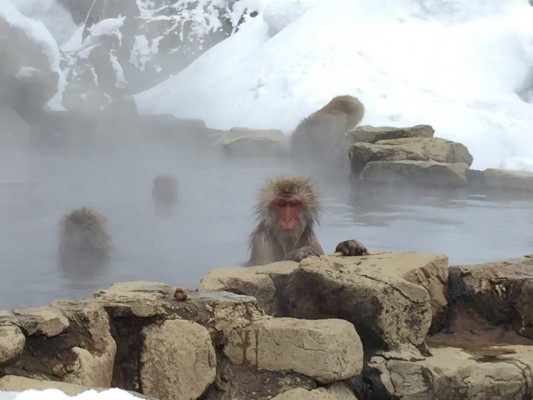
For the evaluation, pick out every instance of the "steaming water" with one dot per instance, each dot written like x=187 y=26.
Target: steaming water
x=214 y=217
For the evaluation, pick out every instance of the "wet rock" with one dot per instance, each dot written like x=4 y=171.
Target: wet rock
x=429 y=173
x=505 y=179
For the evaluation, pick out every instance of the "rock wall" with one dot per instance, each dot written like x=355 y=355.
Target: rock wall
x=382 y=326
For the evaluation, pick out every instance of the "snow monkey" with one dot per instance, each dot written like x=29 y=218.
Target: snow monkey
x=323 y=133
x=83 y=239
x=286 y=211
x=165 y=193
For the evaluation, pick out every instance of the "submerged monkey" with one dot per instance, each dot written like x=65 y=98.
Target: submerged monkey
x=287 y=209
x=83 y=241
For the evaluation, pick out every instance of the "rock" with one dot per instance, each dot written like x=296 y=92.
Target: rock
x=15 y=130
x=337 y=391
x=68 y=341
x=45 y=320
x=261 y=282
x=416 y=173
x=14 y=383
x=178 y=360
x=129 y=46
x=170 y=130
x=253 y=142
x=505 y=179
x=12 y=342
x=29 y=71
x=410 y=148
x=374 y=293
x=451 y=373
x=327 y=350
x=238 y=382
x=372 y=134
x=501 y=292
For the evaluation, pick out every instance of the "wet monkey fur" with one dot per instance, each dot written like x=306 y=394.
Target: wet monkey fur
x=322 y=135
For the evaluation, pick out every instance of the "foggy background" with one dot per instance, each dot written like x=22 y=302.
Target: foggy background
x=279 y=66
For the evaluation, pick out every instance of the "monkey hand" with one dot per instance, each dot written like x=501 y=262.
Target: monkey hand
x=351 y=248
x=301 y=253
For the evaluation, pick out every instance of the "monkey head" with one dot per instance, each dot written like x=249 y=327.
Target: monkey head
x=288 y=206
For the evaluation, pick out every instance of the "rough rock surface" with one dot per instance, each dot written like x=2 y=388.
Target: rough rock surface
x=336 y=391
x=499 y=372
x=505 y=179
x=328 y=350
x=372 y=134
x=83 y=354
x=500 y=292
x=261 y=282
x=411 y=148
x=252 y=142
x=416 y=173
x=374 y=293
x=12 y=342
x=178 y=360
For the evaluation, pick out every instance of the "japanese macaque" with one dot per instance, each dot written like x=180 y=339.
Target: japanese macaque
x=287 y=210
x=322 y=135
x=165 y=193
x=83 y=239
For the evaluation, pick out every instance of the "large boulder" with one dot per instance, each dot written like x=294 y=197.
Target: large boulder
x=409 y=148
x=262 y=282
x=327 y=350
x=428 y=173
x=500 y=292
x=68 y=341
x=337 y=391
x=499 y=372
x=253 y=142
x=373 y=134
x=392 y=299
x=12 y=342
x=178 y=360
x=505 y=179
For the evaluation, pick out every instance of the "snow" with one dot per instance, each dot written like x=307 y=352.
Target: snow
x=55 y=394
x=455 y=65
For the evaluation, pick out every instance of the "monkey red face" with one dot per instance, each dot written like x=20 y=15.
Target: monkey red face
x=287 y=212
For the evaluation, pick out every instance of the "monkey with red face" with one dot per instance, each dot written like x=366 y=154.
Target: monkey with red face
x=287 y=210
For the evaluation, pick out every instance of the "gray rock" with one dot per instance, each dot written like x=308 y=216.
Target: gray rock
x=429 y=173
x=372 y=134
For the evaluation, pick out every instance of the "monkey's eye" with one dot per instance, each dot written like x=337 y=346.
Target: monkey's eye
x=294 y=203
x=281 y=203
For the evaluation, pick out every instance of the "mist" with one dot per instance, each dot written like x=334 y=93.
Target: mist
x=106 y=159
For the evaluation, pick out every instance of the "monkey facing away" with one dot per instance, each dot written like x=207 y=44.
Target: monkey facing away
x=165 y=193
x=322 y=134
x=83 y=240
x=287 y=209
